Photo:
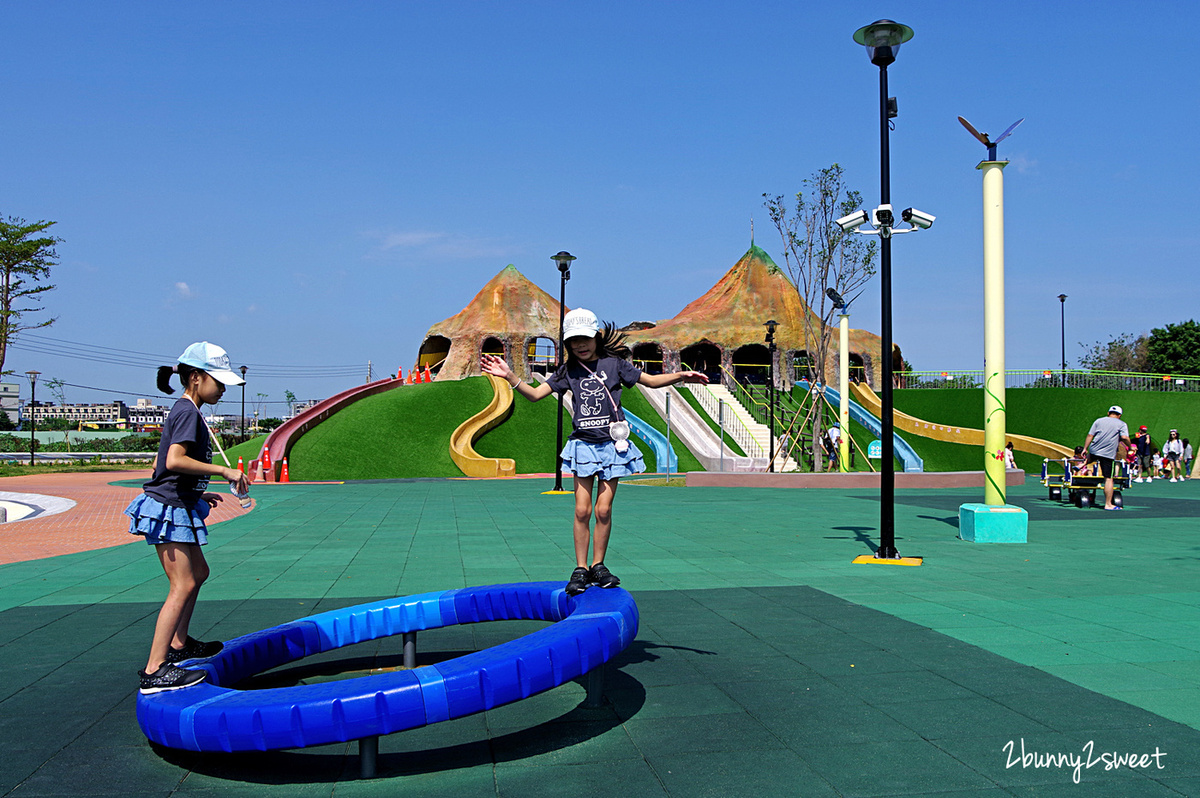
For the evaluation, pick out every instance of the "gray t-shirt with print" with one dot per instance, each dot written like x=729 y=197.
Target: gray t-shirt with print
x=1106 y=434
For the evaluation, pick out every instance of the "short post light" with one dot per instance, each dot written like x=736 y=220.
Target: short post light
x=843 y=378
x=1062 y=324
x=243 y=370
x=771 y=325
x=563 y=259
x=33 y=376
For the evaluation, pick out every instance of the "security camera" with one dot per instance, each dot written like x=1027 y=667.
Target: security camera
x=918 y=218
x=883 y=216
x=853 y=221
x=838 y=302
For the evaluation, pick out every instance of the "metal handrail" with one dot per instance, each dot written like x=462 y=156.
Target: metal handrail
x=732 y=425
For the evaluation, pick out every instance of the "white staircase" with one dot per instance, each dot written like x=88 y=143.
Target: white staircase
x=754 y=438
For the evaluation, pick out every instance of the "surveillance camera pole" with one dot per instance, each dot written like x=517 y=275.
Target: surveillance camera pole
x=887 y=482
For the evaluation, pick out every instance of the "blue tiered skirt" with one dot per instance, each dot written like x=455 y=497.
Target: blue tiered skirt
x=161 y=523
x=585 y=459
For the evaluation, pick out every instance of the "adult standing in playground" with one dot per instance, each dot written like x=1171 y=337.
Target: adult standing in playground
x=594 y=371
x=1103 y=440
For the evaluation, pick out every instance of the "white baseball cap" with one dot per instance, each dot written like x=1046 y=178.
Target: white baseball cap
x=1116 y=409
x=212 y=359
x=580 y=323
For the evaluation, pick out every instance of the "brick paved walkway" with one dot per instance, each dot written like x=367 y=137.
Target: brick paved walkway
x=95 y=522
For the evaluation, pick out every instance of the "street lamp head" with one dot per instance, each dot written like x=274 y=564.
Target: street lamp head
x=243 y=370
x=882 y=39
x=563 y=259
x=1062 y=298
x=770 y=324
x=33 y=375
x=838 y=302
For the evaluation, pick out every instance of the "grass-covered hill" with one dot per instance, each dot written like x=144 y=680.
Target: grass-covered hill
x=1062 y=415
x=406 y=432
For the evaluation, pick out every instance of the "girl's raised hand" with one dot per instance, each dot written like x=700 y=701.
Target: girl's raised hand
x=490 y=364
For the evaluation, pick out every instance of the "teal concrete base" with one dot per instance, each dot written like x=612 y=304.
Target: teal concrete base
x=993 y=523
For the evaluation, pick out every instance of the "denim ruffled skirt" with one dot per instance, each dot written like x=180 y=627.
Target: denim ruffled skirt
x=161 y=523
x=585 y=459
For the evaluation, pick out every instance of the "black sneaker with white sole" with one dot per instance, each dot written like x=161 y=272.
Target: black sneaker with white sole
x=580 y=579
x=168 y=677
x=602 y=577
x=194 y=650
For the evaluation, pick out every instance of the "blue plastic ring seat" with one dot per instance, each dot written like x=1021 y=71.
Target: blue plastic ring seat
x=589 y=630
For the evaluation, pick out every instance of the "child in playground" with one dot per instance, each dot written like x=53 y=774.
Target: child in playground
x=594 y=371
x=171 y=510
x=1173 y=456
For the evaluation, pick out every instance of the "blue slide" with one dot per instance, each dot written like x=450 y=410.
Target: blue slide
x=911 y=460
x=664 y=455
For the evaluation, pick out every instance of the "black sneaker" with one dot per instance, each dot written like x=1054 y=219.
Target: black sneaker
x=194 y=650
x=579 y=582
x=168 y=677
x=602 y=577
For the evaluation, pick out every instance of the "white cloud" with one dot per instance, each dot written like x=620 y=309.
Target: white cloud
x=184 y=291
x=432 y=245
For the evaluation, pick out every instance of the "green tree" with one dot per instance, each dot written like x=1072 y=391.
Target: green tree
x=291 y=400
x=25 y=261
x=1126 y=352
x=1174 y=349
x=820 y=255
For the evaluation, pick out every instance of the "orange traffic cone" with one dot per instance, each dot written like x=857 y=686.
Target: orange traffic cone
x=428 y=376
x=241 y=466
x=409 y=380
x=268 y=471
x=283 y=476
x=418 y=379
x=400 y=374
x=257 y=467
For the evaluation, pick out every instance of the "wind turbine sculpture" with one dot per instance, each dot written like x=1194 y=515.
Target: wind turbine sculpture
x=994 y=520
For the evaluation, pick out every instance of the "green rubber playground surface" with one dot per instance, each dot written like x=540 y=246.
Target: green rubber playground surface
x=766 y=663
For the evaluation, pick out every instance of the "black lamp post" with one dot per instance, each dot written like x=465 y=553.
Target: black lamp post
x=32 y=375
x=243 y=370
x=882 y=40
x=771 y=324
x=1062 y=301
x=563 y=259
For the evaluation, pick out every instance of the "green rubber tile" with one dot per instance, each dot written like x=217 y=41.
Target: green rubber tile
x=630 y=777
x=763 y=774
x=1177 y=704
x=892 y=768
x=1141 y=650
x=946 y=718
x=676 y=735
x=847 y=720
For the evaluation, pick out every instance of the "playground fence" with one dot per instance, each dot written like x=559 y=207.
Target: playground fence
x=732 y=425
x=1051 y=378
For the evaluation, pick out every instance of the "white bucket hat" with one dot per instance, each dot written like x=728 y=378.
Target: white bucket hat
x=212 y=359
x=580 y=323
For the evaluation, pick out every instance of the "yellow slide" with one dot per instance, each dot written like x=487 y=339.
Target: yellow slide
x=940 y=432
x=464 y=456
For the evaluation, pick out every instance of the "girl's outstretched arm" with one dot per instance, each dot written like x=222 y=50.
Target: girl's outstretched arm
x=497 y=367
x=661 y=380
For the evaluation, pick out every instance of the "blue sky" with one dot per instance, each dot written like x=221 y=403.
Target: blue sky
x=313 y=185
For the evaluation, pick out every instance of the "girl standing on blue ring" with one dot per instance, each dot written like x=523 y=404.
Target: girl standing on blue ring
x=594 y=372
x=171 y=510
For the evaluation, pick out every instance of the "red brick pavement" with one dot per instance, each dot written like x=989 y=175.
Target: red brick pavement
x=96 y=521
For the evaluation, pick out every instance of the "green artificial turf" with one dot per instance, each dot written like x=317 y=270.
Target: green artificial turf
x=528 y=436
x=247 y=450
x=402 y=433
x=632 y=399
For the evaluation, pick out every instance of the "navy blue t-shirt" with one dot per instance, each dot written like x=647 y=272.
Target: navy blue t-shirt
x=184 y=425
x=593 y=410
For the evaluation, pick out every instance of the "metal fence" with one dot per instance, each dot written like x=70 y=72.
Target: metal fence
x=1056 y=378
